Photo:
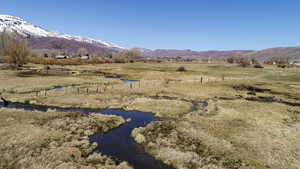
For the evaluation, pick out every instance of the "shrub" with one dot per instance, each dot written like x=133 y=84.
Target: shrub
x=254 y=61
x=231 y=60
x=258 y=65
x=52 y=61
x=278 y=59
x=181 y=69
x=108 y=60
x=244 y=62
x=282 y=65
x=120 y=60
x=95 y=61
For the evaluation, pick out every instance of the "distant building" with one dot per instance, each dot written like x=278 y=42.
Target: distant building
x=295 y=62
x=46 y=55
x=61 y=57
x=84 y=57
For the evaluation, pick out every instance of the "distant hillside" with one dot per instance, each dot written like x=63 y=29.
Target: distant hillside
x=39 y=38
x=293 y=52
x=62 y=44
x=194 y=54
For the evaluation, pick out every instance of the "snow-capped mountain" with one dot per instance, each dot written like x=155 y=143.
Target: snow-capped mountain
x=27 y=30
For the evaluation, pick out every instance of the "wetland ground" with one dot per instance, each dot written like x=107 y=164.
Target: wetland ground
x=252 y=119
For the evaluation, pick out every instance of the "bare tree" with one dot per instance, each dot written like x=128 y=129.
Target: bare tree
x=5 y=41
x=18 y=53
x=244 y=62
x=133 y=53
x=231 y=59
x=278 y=59
x=14 y=48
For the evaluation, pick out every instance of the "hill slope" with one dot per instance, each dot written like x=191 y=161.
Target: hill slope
x=40 y=38
x=194 y=54
x=293 y=52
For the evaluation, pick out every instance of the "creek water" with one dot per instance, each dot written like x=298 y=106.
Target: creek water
x=116 y=143
x=124 y=80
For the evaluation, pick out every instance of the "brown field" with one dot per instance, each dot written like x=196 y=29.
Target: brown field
x=252 y=119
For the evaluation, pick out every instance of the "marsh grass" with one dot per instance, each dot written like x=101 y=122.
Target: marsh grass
x=230 y=133
x=161 y=107
x=39 y=140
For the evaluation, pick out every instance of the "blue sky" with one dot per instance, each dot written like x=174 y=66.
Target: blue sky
x=169 y=24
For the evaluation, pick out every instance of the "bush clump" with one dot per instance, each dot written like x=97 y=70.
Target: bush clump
x=282 y=65
x=181 y=69
x=258 y=65
x=53 y=61
x=244 y=62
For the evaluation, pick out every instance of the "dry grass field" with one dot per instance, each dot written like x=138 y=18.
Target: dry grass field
x=252 y=119
x=44 y=140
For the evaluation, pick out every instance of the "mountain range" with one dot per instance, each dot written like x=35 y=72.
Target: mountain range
x=39 y=38
x=293 y=52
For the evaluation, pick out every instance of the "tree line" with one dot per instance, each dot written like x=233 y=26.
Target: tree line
x=246 y=61
x=14 y=50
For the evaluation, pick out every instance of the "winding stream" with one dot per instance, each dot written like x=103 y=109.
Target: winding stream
x=117 y=142
x=124 y=80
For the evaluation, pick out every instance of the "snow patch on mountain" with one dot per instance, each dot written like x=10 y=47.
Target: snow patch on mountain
x=20 y=26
